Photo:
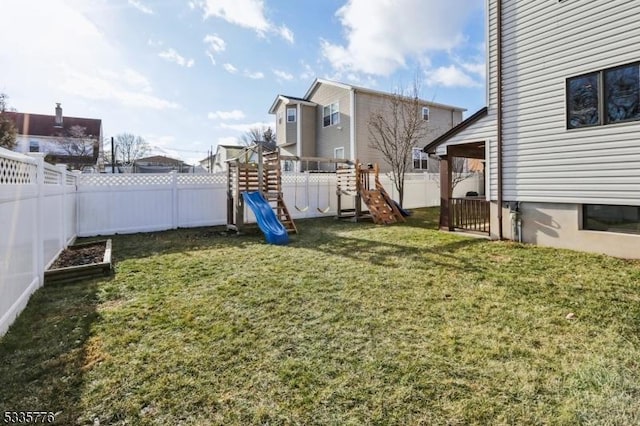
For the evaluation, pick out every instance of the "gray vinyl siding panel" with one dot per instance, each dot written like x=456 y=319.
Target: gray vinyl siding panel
x=331 y=137
x=281 y=124
x=366 y=104
x=291 y=132
x=440 y=121
x=308 y=123
x=545 y=43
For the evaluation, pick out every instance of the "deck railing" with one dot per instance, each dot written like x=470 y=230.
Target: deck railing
x=470 y=213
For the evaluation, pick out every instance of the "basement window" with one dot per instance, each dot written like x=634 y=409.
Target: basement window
x=609 y=218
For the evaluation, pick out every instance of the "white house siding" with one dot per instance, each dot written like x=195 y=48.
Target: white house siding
x=544 y=43
x=331 y=137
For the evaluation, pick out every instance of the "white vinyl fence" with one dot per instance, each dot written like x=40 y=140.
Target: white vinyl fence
x=38 y=219
x=121 y=204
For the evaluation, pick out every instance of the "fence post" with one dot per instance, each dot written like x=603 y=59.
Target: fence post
x=63 y=205
x=39 y=225
x=175 y=208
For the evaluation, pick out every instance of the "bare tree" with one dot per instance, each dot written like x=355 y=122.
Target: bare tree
x=130 y=148
x=79 y=147
x=259 y=134
x=7 y=127
x=395 y=128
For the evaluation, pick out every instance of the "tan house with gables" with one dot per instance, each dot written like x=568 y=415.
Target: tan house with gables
x=331 y=120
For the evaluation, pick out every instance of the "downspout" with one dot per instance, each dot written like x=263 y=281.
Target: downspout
x=299 y=131
x=499 y=116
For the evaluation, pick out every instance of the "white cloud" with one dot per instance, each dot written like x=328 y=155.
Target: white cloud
x=141 y=7
x=230 y=68
x=286 y=33
x=283 y=75
x=154 y=43
x=450 y=76
x=478 y=68
x=308 y=73
x=245 y=127
x=245 y=13
x=104 y=86
x=382 y=35
x=257 y=75
x=80 y=60
x=229 y=140
x=236 y=114
x=172 y=55
x=215 y=44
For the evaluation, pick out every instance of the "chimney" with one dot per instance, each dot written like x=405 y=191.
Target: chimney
x=58 y=122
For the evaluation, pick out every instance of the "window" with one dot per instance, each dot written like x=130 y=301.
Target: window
x=621 y=93
x=604 y=97
x=338 y=152
x=420 y=159
x=625 y=219
x=582 y=101
x=330 y=115
x=291 y=115
x=34 y=146
x=279 y=118
x=425 y=113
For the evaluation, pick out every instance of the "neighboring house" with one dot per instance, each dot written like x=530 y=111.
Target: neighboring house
x=65 y=140
x=224 y=153
x=560 y=131
x=207 y=162
x=331 y=120
x=160 y=164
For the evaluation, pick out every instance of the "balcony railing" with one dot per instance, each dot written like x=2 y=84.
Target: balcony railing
x=470 y=214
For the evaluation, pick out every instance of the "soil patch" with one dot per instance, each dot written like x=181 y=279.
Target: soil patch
x=80 y=256
x=81 y=261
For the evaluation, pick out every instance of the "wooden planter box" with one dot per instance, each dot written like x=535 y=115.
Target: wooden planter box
x=74 y=273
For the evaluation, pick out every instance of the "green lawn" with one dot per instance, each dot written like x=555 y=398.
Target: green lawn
x=349 y=324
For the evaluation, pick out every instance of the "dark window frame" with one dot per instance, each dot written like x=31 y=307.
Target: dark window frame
x=602 y=100
x=606 y=94
x=568 y=97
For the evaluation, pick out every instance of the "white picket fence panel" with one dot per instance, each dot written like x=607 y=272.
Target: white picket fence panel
x=38 y=216
x=122 y=204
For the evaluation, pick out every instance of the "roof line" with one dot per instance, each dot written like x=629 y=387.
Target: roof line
x=430 y=148
x=374 y=92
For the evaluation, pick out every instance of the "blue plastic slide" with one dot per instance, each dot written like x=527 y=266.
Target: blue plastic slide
x=273 y=230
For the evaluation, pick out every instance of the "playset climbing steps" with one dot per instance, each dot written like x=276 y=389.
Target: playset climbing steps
x=381 y=207
x=356 y=182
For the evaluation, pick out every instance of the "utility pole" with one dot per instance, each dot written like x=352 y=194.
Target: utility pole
x=113 y=156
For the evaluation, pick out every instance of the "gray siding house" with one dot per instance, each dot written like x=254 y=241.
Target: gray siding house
x=331 y=120
x=560 y=134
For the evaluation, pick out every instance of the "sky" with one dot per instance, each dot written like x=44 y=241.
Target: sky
x=187 y=75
